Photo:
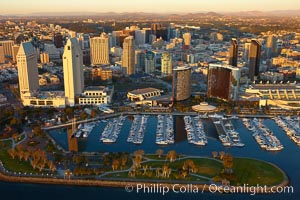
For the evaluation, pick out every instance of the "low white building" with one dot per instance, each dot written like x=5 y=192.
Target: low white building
x=45 y=99
x=142 y=94
x=96 y=95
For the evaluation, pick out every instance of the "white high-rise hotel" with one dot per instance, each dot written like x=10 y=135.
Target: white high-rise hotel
x=27 y=69
x=100 y=50
x=73 y=72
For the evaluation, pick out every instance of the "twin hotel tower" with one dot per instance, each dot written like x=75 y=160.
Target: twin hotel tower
x=223 y=80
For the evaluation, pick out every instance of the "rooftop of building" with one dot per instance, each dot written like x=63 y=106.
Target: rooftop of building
x=143 y=91
x=224 y=66
x=182 y=67
x=94 y=88
x=48 y=94
x=204 y=107
x=274 y=86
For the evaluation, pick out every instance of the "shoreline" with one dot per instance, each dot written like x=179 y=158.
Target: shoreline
x=121 y=183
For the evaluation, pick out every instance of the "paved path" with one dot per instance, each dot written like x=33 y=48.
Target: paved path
x=14 y=144
x=155 y=160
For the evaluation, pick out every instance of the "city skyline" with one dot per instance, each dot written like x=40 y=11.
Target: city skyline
x=168 y=6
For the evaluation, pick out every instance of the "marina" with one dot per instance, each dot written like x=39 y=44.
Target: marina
x=164 y=130
x=112 y=130
x=263 y=136
x=83 y=130
x=137 y=131
x=182 y=146
x=290 y=126
x=227 y=134
x=195 y=130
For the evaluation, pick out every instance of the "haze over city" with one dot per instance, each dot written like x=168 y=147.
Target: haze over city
x=157 y=6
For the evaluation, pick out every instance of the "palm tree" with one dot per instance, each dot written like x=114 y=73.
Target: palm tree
x=51 y=165
x=20 y=154
x=172 y=155
x=12 y=153
x=26 y=155
x=115 y=164
x=222 y=154
x=184 y=173
x=145 y=168
x=215 y=154
x=139 y=153
x=228 y=162
x=159 y=152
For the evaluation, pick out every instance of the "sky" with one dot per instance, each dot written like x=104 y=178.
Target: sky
x=161 y=6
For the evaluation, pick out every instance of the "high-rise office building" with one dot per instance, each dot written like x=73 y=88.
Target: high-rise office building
x=128 y=55
x=27 y=69
x=271 y=47
x=139 y=61
x=15 y=50
x=116 y=38
x=100 y=50
x=2 y=56
x=140 y=37
x=166 y=64
x=147 y=32
x=155 y=27
x=246 y=52
x=223 y=82
x=149 y=62
x=255 y=55
x=187 y=37
x=181 y=83
x=58 y=40
x=7 y=47
x=73 y=71
x=233 y=52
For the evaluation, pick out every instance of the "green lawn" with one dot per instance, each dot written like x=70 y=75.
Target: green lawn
x=15 y=165
x=207 y=167
x=252 y=172
x=155 y=157
x=7 y=144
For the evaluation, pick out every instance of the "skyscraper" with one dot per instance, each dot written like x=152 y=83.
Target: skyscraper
x=181 y=83
x=255 y=54
x=73 y=72
x=246 y=52
x=128 y=55
x=15 y=50
x=140 y=37
x=7 y=47
x=2 y=56
x=100 y=50
x=271 y=50
x=166 y=64
x=187 y=37
x=155 y=27
x=223 y=82
x=233 y=52
x=139 y=61
x=149 y=62
x=58 y=40
x=27 y=69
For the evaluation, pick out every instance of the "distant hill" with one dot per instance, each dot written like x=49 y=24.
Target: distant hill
x=254 y=13
x=285 y=13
